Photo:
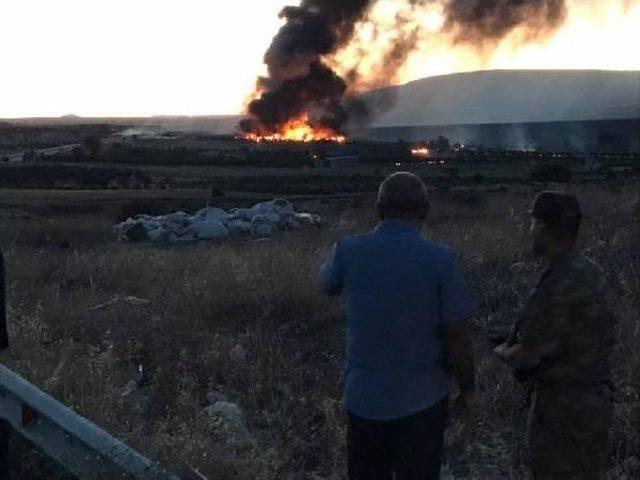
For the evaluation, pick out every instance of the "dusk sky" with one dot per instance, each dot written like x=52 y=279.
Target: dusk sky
x=201 y=57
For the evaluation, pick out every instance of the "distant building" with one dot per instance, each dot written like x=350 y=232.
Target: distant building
x=343 y=159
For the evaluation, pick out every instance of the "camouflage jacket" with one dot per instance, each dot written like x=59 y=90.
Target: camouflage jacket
x=564 y=333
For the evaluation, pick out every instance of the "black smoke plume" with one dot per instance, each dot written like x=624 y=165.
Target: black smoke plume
x=301 y=81
x=485 y=22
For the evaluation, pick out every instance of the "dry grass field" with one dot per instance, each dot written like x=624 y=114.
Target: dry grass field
x=242 y=322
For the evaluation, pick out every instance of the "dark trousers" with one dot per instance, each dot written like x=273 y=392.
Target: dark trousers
x=5 y=435
x=569 y=430
x=408 y=448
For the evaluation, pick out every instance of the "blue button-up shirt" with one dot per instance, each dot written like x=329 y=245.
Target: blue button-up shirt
x=400 y=289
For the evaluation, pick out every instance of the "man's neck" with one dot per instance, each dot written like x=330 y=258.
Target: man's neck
x=417 y=223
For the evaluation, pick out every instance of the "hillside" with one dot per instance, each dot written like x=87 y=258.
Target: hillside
x=487 y=97
x=511 y=96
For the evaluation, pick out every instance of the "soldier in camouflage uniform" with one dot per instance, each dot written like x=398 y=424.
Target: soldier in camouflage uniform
x=561 y=343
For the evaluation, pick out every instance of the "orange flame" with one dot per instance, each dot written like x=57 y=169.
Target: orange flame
x=299 y=130
x=420 y=151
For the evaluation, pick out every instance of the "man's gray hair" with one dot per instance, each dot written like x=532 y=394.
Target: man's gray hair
x=404 y=193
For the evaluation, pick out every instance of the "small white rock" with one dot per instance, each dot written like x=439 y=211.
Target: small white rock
x=238 y=355
x=226 y=420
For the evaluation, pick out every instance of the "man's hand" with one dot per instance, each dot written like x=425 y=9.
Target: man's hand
x=525 y=366
x=504 y=352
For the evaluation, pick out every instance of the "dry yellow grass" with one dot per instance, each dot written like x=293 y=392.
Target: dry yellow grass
x=208 y=298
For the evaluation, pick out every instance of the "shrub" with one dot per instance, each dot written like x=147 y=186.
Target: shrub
x=551 y=172
x=93 y=144
x=453 y=172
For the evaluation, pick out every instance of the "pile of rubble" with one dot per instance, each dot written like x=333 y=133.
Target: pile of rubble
x=259 y=221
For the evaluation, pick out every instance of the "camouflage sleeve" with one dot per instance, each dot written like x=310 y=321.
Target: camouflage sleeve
x=546 y=319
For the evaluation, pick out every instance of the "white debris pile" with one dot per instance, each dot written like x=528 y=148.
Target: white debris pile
x=259 y=221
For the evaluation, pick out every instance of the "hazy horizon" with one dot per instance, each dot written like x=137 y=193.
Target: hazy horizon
x=72 y=115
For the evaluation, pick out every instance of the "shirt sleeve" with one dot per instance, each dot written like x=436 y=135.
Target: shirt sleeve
x=331 y=278
x=456 y=301
x=4 y=337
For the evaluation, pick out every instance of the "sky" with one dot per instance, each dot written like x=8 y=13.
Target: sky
x=201 y=57
x=131 y=57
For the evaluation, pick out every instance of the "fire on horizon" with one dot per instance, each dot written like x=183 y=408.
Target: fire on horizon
x=328 y=52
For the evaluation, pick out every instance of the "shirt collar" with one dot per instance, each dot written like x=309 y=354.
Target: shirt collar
x=397 y=226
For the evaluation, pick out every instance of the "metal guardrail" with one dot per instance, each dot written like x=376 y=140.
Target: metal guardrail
x=81 y=447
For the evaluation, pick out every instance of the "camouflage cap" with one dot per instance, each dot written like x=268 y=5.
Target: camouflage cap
x=556 y=209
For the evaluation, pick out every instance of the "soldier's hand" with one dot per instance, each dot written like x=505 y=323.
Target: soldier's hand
x=502 y=351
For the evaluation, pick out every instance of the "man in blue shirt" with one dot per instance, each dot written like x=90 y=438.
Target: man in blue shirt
x=407 y=306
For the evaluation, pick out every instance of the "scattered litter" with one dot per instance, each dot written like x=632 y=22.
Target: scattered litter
x=54 y=378
x=130 y=387
x=133 y=301
x=198 y=474
x=212 y=223
x=134 y=384
x=518 y=267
